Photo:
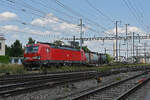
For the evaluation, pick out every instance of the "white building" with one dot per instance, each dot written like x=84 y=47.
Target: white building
x=2 y=46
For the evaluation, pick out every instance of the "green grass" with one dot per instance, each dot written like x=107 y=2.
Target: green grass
x=11 y=69
x=19 y=69
x=118 y=78
x=101 y=68
x=64 y=68
x=4 y=59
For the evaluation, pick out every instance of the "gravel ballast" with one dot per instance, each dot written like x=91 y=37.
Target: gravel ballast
x=142 y=93
x=64 y=90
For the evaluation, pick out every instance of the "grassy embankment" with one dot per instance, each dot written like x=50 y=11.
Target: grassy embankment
x=11 y=69
x=19 y=69
x=6 y=68
x=102 y=68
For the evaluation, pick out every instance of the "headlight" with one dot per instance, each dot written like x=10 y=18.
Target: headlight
x=36 y=57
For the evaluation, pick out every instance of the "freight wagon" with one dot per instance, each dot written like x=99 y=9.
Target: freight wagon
x=96 y=59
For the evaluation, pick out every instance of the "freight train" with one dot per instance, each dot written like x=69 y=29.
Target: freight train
x=47 y=54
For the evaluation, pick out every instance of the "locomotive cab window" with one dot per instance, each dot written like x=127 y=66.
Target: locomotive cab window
x=31 y=49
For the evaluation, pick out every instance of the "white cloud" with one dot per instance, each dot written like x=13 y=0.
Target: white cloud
x=16 y=29
x=5 y=16
x=131 y=29
x=16 y=36
x=98 y=45
x=10 y=28
x=55 y=24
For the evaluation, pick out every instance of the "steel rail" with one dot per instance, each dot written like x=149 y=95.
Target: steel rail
x=39 y=87
x=41 y=77
x=35 y=74
x=42 y=81
x=132 y=90
x=93 y=91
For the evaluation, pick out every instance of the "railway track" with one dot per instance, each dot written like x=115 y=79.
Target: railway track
x=24 y=85
x=10 y=79
x=14 y=85
x=34 y=77
x=114 y=91
x=132 y=90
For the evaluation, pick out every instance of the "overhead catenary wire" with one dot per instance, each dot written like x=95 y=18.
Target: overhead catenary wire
x=25 y=23
x=99 y=11
x=131 y=11
x=52 y=8
x=72 y=17
x=141 y=11
x=24 y=4
x=39 y=26
x=30 y=7
x=134 y=13
x=78 y=14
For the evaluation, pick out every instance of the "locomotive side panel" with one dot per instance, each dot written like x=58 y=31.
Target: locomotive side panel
x=65 y=55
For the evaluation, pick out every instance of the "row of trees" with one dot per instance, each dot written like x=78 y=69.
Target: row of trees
x=16 y=49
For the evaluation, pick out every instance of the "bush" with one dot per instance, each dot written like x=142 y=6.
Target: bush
x=4 y=59
x=109 y=58
x=12 y=69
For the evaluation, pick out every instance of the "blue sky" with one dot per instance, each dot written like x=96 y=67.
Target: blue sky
x=49 y=20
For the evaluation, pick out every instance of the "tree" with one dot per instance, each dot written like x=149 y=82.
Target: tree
x=31 y=41
x=86 y=49
x=16 y=49
x=58 y=42
x=109 y=58
x=7 y=50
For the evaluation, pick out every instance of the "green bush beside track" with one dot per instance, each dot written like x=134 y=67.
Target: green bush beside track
x=4 y=59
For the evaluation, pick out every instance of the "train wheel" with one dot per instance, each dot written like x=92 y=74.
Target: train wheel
x=28 y=68
x=43 y=69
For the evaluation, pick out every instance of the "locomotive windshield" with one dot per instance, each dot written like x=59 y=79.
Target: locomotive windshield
x=31 y=49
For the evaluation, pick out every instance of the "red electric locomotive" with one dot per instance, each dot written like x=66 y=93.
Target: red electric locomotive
x=46 y=54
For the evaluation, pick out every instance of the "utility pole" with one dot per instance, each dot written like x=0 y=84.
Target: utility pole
x=126 y=38
x=145 y=52
x=74 y=41
x=136 y=51
x=105 y=50
x=133 y=44
x=119 y=51
x=80 y=33
x=117 y=40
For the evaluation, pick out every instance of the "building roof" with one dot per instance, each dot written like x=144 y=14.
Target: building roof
x=2 y=38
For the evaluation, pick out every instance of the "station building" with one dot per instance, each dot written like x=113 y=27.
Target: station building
x=2 y=45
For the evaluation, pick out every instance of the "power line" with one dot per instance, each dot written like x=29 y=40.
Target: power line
x=39 y=11
x=25 y=23
x=30 y=7
x=48 y=6
x=77 y=14
x=141 y=13
x=134 y=12
x=72 y=17
x=98 y=10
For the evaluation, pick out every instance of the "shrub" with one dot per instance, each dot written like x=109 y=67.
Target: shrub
x=12 y=69
x=4 y=59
